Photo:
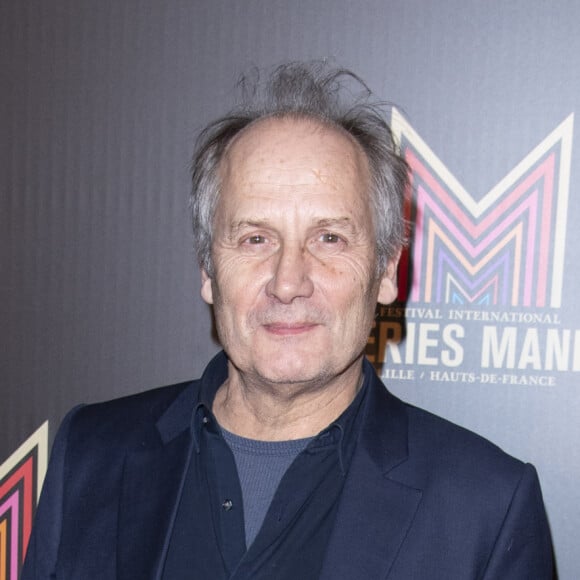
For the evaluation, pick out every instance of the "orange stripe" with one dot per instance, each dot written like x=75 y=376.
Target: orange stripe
x=3 y=548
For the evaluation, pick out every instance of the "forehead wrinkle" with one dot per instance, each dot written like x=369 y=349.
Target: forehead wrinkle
x=272 y=185
x=301 y=174
x=357 y=160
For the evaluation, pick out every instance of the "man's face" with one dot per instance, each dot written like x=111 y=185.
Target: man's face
x=294 y=286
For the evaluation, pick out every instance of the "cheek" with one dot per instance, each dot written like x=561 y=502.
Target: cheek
x=352 y=300
x=353 y=280
x=239 y=270
x=236 y=293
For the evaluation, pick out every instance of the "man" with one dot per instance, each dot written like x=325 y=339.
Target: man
x=288 y=458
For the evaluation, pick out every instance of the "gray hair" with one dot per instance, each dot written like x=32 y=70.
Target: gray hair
x=311 y=91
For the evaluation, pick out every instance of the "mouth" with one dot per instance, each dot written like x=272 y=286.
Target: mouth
x=289 y=328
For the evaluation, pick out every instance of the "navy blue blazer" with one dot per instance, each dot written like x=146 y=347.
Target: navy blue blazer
x=423 y=499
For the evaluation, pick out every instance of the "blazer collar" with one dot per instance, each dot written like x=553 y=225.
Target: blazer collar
x=180 y=414
x=384 y=431
x=153 y=480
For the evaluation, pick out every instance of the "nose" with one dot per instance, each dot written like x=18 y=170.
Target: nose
x=291 y=276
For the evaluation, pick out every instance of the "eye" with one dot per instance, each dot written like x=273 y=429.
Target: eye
x=330 y=238
x=256 y=239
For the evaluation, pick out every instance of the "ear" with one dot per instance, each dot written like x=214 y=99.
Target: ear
x=388 y=288
x=206 y=289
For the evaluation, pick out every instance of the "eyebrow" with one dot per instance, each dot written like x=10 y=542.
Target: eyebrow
x=235 y=227
x=341 y=222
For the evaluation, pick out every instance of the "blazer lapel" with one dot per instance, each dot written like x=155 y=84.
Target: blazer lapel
x=152 y=484
x=373 y=519
x=375 y=512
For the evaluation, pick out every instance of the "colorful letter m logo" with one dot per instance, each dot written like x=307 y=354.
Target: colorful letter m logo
x=507 y=249
x=21 y=478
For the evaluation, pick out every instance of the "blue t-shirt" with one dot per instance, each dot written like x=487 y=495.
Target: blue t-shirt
x=261 y=465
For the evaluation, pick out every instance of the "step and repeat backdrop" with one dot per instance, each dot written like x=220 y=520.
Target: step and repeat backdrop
x=99 y=290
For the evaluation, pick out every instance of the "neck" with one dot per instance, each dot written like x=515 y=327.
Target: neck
x=280 y=412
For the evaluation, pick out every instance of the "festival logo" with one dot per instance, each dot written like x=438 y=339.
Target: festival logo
x=21 y=478
x=490 y=269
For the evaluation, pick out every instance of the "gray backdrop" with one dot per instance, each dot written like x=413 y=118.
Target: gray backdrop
x=99 y=106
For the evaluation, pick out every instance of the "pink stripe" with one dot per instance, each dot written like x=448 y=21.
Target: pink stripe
x=518 y=251
x=429 y=262
x=529 y=253
x=545 y=233
x=417 y=256
x=12 y=503
x=530 y=204
x=476 y=229
x=436 y=231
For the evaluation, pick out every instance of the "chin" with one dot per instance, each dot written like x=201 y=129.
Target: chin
x=290 y=371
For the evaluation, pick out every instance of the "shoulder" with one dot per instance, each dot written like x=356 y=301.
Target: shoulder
x=129 y=420
x=475 y=490
x=434 y=453
x=446 y=444
x=478 y=501
x=458 y=468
